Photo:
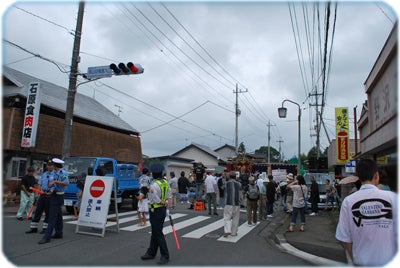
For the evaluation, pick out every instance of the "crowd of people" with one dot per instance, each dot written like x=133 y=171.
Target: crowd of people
x=367 y=223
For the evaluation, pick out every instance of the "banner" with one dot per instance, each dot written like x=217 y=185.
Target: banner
x=342 y=135
x=31 y=119
x=95 y=201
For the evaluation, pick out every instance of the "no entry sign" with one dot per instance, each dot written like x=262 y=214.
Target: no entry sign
x=97 y=188
x=95 y=201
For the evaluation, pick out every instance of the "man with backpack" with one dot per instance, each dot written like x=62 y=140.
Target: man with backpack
x=253 y=195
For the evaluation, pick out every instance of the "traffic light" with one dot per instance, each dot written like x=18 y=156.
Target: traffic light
x=127 y=69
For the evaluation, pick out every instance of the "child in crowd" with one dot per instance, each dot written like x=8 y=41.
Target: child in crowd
x=77 y=205
x=143 y=205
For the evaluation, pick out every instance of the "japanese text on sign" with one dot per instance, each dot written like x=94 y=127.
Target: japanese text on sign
x=32 y=112
x=95 y=201
x=342 y=135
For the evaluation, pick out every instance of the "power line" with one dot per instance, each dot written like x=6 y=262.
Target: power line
x=23 y=59
x=72 y=32
x=161 y=49
x=37 y=55
x=198 y=43
x=299 y=51
x=176 y=46
x=165 y=112
x=176 y=57
x=384 y=13
x=176 y=118
x=189 y=45
x=260 y=111
x=147 y=104
x=133 y=107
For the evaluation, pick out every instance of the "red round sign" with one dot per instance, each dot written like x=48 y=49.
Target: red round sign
x=97 y=188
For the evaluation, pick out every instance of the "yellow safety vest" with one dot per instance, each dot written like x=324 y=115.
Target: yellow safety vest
x=163 y=184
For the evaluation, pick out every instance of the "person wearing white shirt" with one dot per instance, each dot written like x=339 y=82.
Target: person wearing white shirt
x=211 y=190
x=368 y=220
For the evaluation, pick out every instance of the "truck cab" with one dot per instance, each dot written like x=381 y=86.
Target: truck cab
x=126 y=176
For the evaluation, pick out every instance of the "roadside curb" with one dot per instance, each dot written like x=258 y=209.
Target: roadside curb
x=281 y=243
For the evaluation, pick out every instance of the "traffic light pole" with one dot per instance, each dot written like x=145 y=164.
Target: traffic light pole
x=69 y=112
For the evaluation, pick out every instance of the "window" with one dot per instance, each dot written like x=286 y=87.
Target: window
x=107 y=166
x=18 y=167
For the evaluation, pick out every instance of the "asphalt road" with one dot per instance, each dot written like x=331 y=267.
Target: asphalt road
x=124 y=248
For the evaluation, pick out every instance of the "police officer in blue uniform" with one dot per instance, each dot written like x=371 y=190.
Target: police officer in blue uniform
x=159 y=201
x=43 y=201
x=57 y=187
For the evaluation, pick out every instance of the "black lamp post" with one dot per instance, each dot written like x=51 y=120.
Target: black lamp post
x=282 y=111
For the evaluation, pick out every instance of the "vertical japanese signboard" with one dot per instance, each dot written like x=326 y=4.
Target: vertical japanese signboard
x=95 y=202
x=342 y=135
x=31 y=119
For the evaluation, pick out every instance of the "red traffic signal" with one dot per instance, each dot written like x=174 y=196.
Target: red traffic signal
x=127 y=69
x=132 y=67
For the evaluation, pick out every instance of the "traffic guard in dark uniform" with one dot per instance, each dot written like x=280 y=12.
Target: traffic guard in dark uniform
x=57 y=187
x=43 y=201
x=159 y=201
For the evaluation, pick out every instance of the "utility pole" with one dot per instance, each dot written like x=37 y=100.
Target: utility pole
x=280 y=148
x=317 y=116
x=237 y=113
x=355 y=131
x=269 y=139
x=69 y=112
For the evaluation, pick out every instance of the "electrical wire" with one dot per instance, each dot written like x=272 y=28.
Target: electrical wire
x=177 y=47
x=165 y=112
x=72 y=32
x=189 y=45
x=176 y=118
x=179 y=59
x=36 y=55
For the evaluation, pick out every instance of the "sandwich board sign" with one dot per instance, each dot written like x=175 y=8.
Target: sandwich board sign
x=95 y=204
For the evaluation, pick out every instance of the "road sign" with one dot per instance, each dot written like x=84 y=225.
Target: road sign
x=97 y=188
x=99 y=72
x=95 y=203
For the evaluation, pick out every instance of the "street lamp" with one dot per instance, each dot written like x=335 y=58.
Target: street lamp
x=282 y=111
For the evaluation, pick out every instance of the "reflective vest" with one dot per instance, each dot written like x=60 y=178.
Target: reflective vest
x=163 y=184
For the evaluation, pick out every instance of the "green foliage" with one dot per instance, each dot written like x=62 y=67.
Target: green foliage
x=274 y=157
x=313 y=153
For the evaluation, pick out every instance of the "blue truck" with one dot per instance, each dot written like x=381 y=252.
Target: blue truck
x=126 y=175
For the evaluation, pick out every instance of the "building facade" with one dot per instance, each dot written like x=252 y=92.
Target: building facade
x=96 y=130
x=378 y=124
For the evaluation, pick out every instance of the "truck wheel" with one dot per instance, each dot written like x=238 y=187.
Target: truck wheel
x=69 y=209
x=134 y=203
x=112 y=206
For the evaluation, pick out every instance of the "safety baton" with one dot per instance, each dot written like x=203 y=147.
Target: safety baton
x=30 y=210
x=178 y=246
x=36 y=190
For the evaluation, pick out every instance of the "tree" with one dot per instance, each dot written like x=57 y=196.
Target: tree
x=274 y=157
x=313 y=153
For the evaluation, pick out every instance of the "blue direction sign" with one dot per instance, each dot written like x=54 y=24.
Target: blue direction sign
x=99 y=72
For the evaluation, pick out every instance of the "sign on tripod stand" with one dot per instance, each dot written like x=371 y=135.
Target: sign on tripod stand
x=95 y=204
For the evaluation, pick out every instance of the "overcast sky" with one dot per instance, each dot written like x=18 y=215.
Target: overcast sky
x=252 y=44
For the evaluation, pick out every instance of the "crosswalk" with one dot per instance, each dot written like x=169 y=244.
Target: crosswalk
x=186 y=225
